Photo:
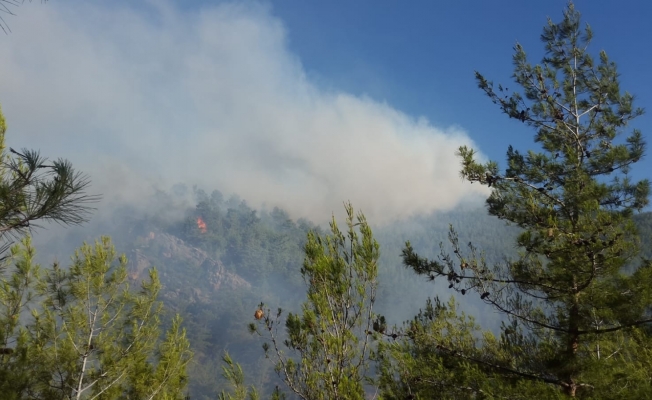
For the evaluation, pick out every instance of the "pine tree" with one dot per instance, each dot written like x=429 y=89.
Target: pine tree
x=333 y=333
x=574 y=317
x=233 y=373
x=89 y=336
x=17 y=291
x=32 y=189
x=419 y=364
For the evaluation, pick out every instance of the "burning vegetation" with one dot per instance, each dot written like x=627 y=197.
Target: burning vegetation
x=201 y=225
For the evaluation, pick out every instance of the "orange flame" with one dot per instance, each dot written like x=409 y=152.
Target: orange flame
x=201 y=225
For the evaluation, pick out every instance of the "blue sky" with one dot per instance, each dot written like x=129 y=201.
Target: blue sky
x=420 y=56
x=291 y=103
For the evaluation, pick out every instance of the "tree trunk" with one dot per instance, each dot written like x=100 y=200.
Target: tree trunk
x=572 y=346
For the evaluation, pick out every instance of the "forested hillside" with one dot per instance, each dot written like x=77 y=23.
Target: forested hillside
x=221 y=258
x=544 y=291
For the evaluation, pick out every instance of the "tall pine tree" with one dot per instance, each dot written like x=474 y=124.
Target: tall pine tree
x=574 y=314
x=332 y=336
x=88 y=335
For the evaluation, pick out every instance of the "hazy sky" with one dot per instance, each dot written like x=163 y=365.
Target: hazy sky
x=291 y=103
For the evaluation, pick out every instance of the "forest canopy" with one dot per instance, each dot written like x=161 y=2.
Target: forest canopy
x=546 y=292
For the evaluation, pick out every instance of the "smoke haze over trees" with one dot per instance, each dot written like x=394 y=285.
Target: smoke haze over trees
x=232 y=102
x=220 y=157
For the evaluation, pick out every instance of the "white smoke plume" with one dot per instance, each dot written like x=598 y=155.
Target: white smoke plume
x=151 y=95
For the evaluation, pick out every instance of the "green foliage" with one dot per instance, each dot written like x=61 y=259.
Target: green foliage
x=31 y=188
x=234 y=375
x=420 y=365
x=16 y=292
x=574 y=312
x=214 y=318
x=644 y=227
x=332 y=336
x=258 y=246
x=215 y=279
x=89 y=336
x=445 y=355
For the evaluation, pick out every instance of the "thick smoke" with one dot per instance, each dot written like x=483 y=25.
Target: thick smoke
x=145 y=97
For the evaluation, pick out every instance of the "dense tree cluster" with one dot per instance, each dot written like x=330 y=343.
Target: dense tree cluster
x=76 y=332
x=567 y=283
x=575 y=315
